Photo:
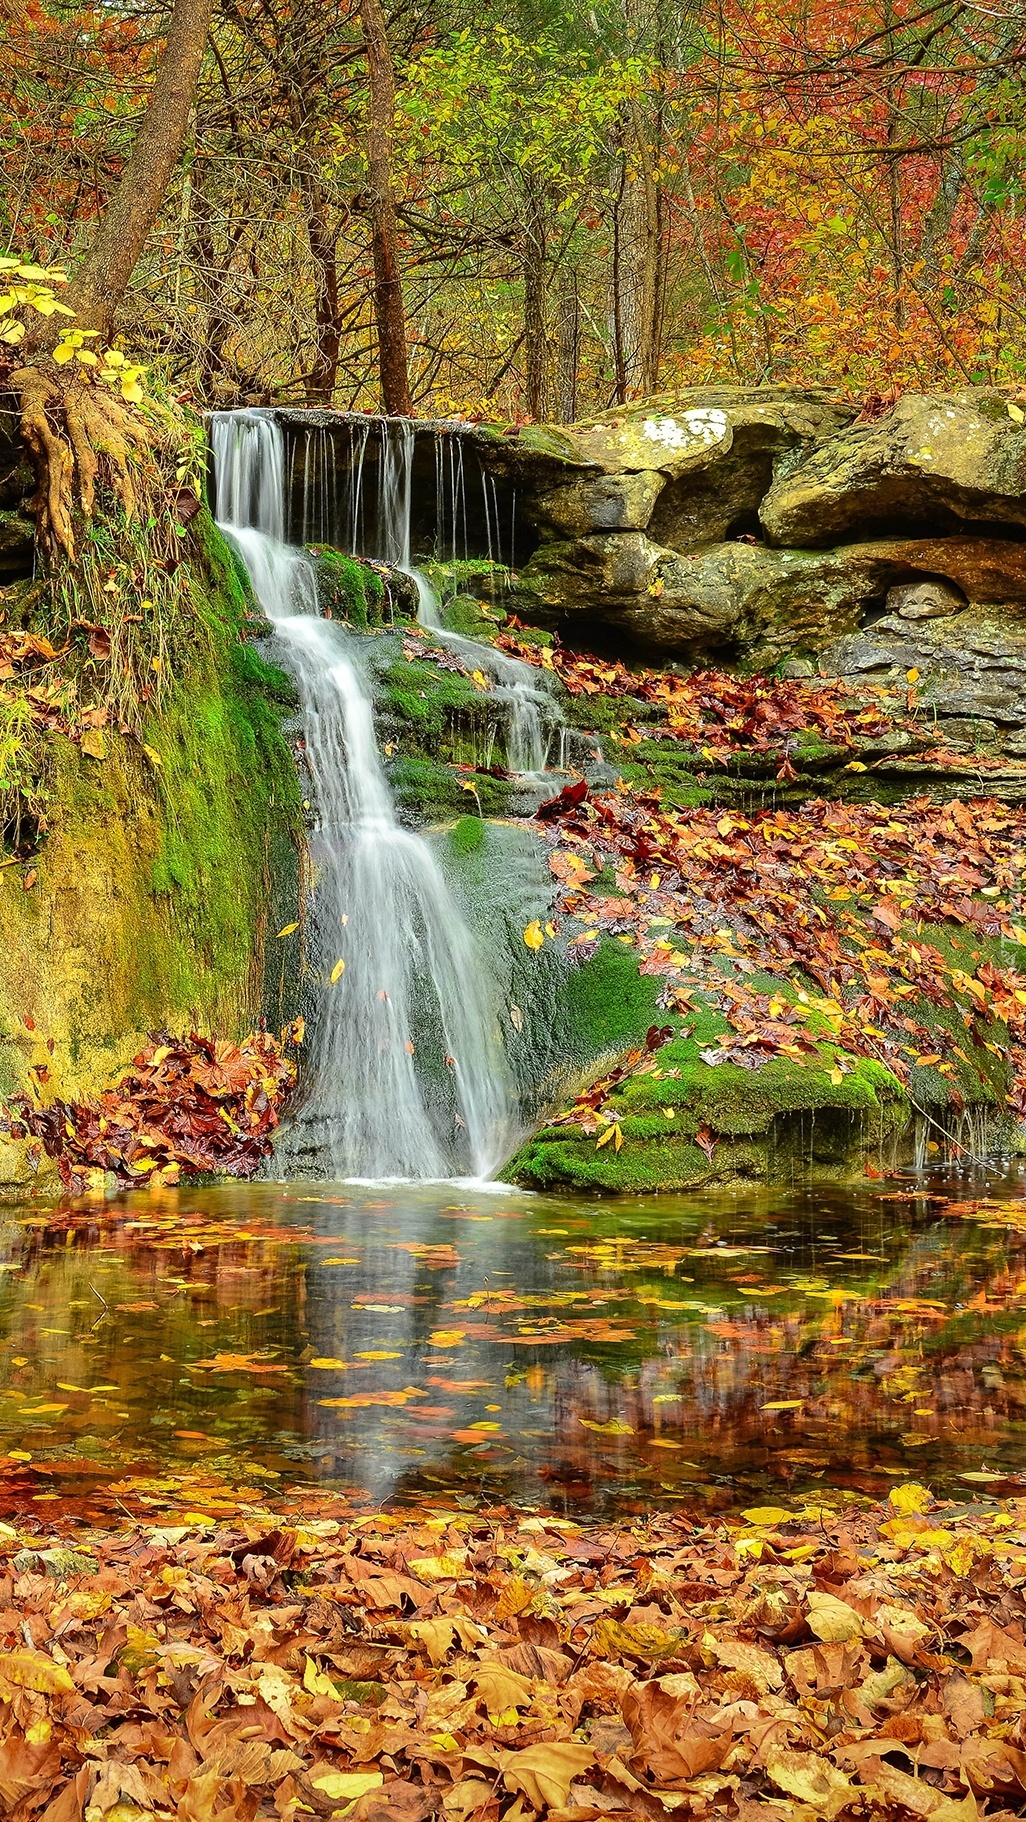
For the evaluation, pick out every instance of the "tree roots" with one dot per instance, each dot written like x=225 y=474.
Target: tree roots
x=79 y=434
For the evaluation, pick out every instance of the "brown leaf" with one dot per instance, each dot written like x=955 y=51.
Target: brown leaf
x=669 y=1740
x=544 y=1773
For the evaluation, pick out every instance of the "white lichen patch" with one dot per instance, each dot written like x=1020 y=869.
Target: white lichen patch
x=703 y=425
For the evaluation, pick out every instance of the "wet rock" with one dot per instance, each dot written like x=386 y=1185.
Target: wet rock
x=935 y=462
x=607 y=503
x=17 y=546
x=798 y=668
x=925 y=600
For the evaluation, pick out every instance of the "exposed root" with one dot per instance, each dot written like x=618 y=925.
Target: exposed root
x=79 y=434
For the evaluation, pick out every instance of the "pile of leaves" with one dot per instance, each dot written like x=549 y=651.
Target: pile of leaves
x=399 y=1666
x=722 y=715
x=188 y=1103
x=721 y=711
x=844 y=896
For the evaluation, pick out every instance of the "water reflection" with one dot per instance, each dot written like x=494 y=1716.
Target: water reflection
x=402 y=1342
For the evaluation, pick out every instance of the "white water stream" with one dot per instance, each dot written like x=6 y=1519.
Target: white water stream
x=405 y=1067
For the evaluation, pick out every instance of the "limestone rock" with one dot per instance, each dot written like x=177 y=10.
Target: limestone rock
x=743 y=598
x=971 y=670
x=719 y=497
x=925 y=600
x=621 y=502
x=680 y=432
x=937 y=463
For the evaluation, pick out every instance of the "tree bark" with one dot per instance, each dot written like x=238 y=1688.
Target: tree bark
x=76 y=430
x=535 y=338
x=328 y=314
x=100 y=282
x=389 y=309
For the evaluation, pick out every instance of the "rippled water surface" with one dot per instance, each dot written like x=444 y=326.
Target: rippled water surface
x=411 y=1343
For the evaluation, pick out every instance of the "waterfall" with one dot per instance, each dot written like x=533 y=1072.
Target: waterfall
x=520 y=688
x=406 y=1073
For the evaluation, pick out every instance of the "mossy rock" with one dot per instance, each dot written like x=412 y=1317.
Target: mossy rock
x=427 y=791
x=347 y=589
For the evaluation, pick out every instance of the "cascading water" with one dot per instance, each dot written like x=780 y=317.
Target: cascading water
x=518 y=686
x=407 y=1077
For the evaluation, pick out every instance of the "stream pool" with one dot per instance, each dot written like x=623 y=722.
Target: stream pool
x=419 y=1343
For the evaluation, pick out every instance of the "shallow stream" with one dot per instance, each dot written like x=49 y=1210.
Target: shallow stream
x=432 y=1342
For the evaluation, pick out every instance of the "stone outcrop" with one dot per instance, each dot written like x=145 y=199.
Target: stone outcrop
x=720 y=525
x=936 y=463
x=762 y=524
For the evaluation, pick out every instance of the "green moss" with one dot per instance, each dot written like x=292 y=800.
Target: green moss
x=346 y=588
x=467 y=835
x=426 y=790
x=226 y=781
x=608 y=1005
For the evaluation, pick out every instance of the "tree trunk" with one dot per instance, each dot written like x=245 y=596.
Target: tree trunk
x=328 y=314
x=102 y=279
x=534 y=309
x=568 y=344
x=74 y=427
x=389 y=310
x=637 y=267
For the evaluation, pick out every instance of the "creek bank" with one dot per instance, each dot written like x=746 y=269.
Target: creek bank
x=158 y=825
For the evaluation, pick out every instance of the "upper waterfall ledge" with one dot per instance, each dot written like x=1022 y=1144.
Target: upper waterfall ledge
x=738 y=524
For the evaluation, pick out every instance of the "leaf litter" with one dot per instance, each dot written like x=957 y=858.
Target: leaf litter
x=275 y=1661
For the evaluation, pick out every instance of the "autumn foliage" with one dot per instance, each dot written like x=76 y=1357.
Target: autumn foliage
x=305 y=1661
x=191 y=1103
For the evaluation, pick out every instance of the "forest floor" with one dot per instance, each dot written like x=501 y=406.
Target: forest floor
x=303 y=1661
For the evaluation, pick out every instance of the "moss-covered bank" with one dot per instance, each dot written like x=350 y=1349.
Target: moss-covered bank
x=147 y=903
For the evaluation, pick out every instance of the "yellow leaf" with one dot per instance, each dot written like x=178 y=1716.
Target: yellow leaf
x=445 y=1568
x=1017 y=415
x=910 y=1498
x=288 y=929
x=544 y=1773
x=767 y=1515
x=783 y=1404
x=446 y=1338
x=63 y=353
x=502 y=1691
x=316 y=1682
x=811 y=1780
x=615 y=1427
x=327 y=1362
x=832 y=1620
x=533 y=936
x=36 y=1671
x=605 y=1137
x=342 y=1786
x=912 y=676
x=152 y=755
x=337 y=972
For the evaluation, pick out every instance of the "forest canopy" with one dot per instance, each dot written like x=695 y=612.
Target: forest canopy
x=591 y=203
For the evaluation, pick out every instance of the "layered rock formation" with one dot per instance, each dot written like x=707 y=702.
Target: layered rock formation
x=762 y=525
